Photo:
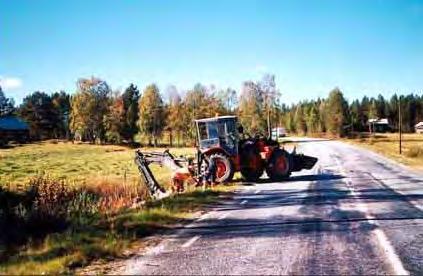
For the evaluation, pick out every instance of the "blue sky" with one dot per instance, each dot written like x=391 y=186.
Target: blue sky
x=364 y=47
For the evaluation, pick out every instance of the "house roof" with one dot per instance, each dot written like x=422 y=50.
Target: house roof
x=12 y=123
x=383 y=121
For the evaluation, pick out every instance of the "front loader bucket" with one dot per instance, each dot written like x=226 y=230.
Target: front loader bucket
x=301 y=161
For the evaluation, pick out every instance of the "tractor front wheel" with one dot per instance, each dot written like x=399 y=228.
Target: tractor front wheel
x=279 y=165
x=224 y=167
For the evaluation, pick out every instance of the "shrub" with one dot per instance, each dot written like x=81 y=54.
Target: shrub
x=50 y=197
x=114 y=195
x=50 y=205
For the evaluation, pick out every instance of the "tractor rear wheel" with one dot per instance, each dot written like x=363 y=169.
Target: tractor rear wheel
x=224 y=167
x=251 y=163
x=279 y=165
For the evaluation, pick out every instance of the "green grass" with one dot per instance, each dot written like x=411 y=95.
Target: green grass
x=75 y=162
x=388 y=144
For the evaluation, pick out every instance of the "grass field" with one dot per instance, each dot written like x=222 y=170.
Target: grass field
x=73 y=204
x=387 y=144
x=76 y=163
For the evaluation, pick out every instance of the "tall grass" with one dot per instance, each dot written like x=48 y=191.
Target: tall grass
x=51 y=205
x=50 y=226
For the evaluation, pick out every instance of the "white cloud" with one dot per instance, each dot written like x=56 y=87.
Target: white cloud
x=9 y=83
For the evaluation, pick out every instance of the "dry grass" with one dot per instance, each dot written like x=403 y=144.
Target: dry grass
x=388 y=145
x=52 y=227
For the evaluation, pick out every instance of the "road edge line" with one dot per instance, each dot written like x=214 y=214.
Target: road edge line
x=394 y=259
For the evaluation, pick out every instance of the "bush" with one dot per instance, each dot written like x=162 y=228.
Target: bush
x=49 y=205
x=113 y=196
x=50 y=197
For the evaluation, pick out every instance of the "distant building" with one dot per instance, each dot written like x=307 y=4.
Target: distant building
x=379 y=125
x=278 y=132
x=13 y=129
x=419 y=127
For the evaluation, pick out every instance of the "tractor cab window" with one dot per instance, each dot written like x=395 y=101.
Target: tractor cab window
x=202 y=129
x=208 y=134
x=231 y=136
x=213 y=130
x=219 y=133
x=231 y=127
x=221 y=129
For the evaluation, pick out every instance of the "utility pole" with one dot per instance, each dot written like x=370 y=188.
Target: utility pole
x=400 y=125
x=269 y=127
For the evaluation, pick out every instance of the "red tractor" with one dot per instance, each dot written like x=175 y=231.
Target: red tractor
x=222 y=139
x=222 y=152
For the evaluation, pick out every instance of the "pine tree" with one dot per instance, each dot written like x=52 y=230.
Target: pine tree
x=39 y=112
x=299 y=119
x=130 y=100
x=61 y=102
x=6 y=104
x=336 y=112
x=312 y=121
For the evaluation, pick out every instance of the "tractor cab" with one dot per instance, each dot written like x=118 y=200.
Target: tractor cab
x=218 y=133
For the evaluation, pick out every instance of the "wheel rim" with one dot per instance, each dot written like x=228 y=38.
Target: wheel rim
x=221 y=169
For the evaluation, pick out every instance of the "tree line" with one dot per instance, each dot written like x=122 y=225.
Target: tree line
x=97 y=113
x=334 y=115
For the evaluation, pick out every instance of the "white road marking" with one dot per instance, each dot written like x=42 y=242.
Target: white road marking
x=386 y=245
x=190 y=241
x=205 y=216
x=257 y=191
x=202 y=218
x=390 y=252
x=224 y=215
x=244 y=201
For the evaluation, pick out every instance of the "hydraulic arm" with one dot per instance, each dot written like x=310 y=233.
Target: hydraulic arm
x=144 y=159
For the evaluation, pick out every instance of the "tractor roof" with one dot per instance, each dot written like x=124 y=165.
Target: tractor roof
x=217 y=118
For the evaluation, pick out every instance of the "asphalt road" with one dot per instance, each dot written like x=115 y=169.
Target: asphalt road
x=354 y=213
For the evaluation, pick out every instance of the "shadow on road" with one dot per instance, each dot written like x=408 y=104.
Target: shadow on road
x=296 y=178
x=321 y=208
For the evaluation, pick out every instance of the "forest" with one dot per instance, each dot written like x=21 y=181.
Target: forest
x=98 y=114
